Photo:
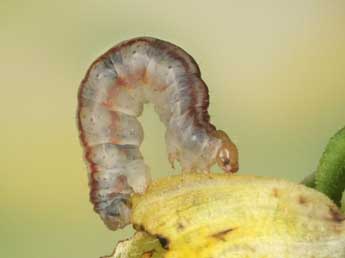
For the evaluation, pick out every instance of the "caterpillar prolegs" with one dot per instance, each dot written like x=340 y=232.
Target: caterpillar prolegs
x=111 y=97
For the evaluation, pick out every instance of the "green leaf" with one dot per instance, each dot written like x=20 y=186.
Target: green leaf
x=330 y=175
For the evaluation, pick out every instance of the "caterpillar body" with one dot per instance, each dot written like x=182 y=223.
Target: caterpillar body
x=111 y=97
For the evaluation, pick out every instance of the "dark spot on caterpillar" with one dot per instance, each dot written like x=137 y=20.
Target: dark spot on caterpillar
x=163 y=241
x=133 y=52
x=107 y=63
x=221 y=235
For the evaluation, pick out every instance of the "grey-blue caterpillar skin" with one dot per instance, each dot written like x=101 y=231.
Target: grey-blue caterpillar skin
x=111 y=97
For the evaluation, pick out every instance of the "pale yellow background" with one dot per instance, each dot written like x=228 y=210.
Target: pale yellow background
x=275 y=70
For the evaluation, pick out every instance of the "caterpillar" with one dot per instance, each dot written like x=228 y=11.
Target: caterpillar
x=111 y=97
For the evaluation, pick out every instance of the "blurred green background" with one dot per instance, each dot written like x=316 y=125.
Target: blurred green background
x=275 y=70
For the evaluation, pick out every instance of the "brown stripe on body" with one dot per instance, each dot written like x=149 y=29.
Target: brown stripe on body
x=201 y=115
x=170 y=50
x=198 y=110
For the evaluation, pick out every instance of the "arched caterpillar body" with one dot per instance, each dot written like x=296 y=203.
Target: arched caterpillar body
x=110 y=99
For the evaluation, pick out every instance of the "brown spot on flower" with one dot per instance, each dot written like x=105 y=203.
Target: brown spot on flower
x=275 y=192
x=221 y=235
x=148 y=254
x=302 y=200
x=163 y=241
x=139 y=227
x=180 y=226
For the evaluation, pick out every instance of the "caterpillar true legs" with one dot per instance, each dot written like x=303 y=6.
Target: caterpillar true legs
x=111 y=97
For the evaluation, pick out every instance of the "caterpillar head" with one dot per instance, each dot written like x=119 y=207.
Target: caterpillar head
x=227 y=155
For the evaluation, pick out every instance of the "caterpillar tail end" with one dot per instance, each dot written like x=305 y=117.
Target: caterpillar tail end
x=117 y=214
x=115 y=210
